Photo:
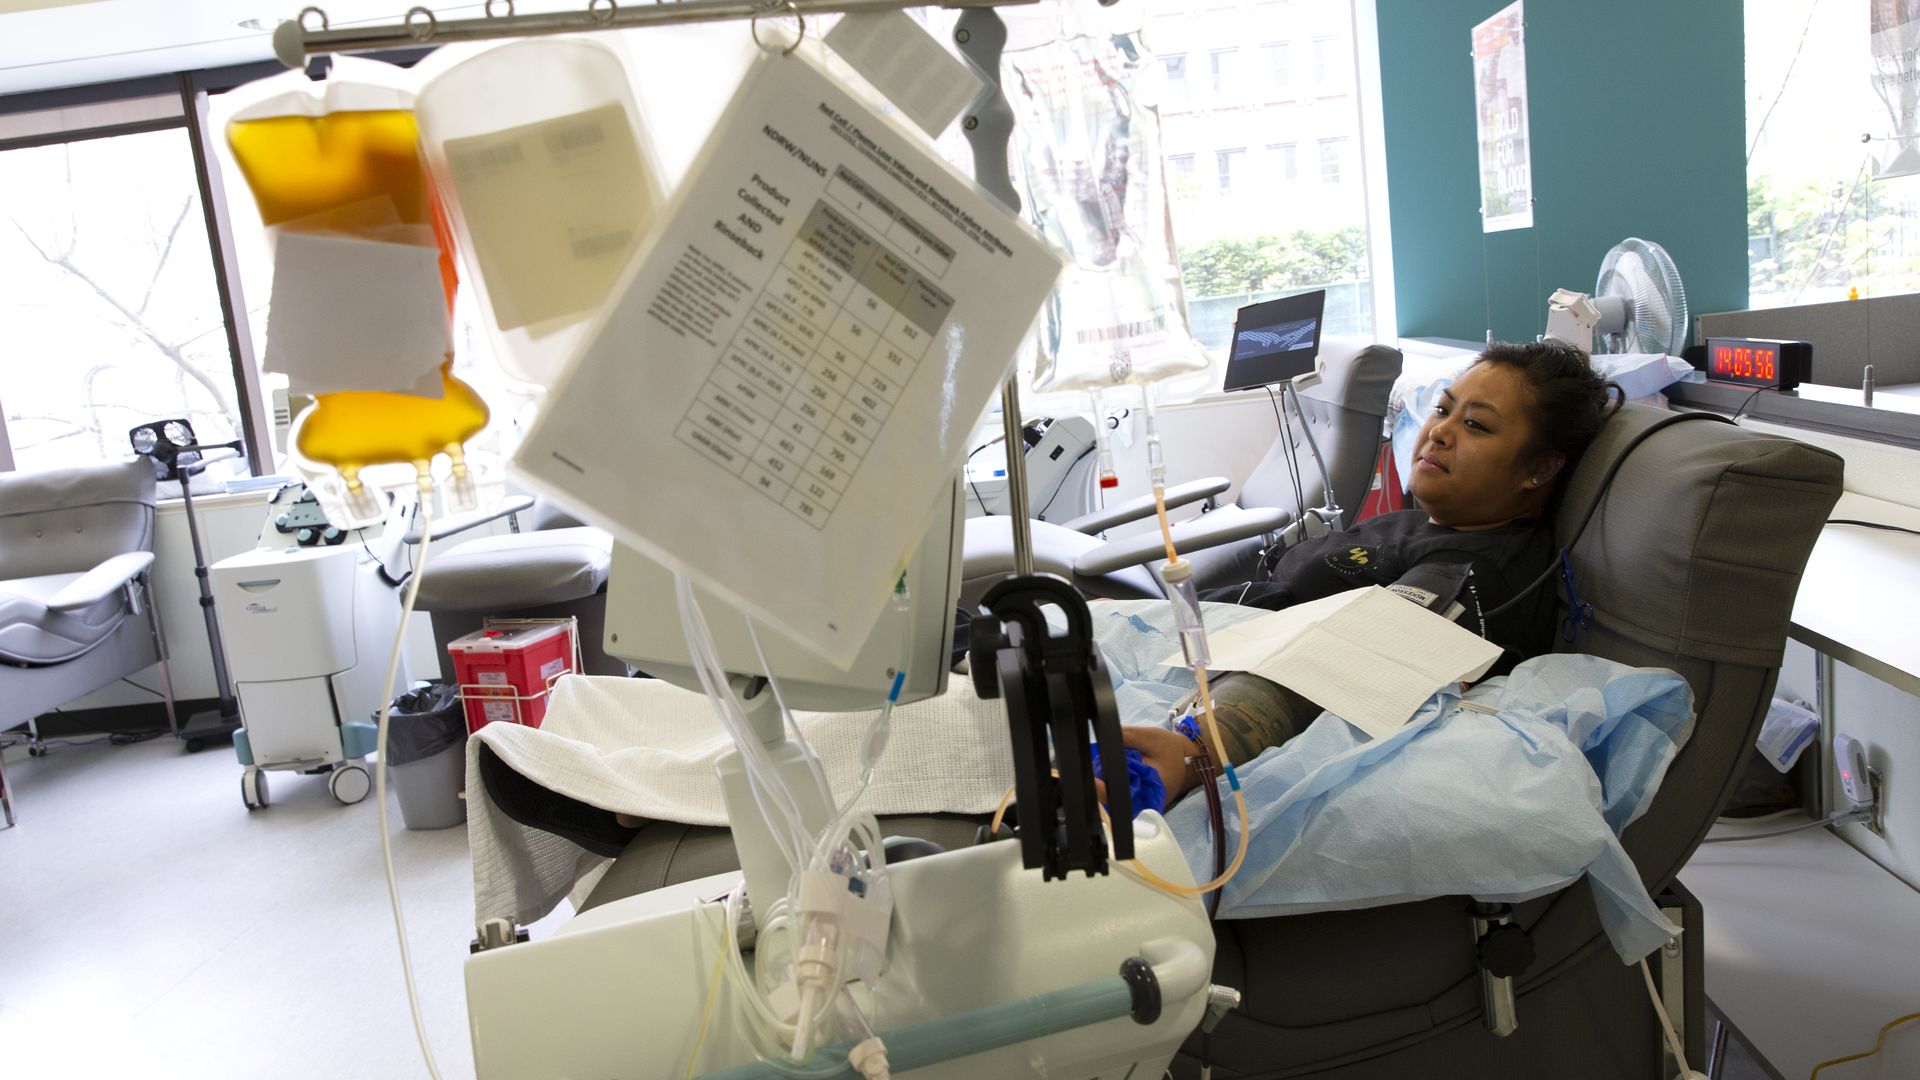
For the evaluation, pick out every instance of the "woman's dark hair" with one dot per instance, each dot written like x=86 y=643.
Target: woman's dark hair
x=1571 y=401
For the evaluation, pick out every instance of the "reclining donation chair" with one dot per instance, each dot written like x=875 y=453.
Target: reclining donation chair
x=76 y=546
x=1345 y=412
x=555 y=570
x=1691 y=562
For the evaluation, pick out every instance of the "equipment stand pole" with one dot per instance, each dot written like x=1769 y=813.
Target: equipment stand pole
x=1016 y=476
x=221 y=686
x=981 y=36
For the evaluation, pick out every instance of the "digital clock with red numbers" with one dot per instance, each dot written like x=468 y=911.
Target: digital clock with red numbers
x=1782 y=365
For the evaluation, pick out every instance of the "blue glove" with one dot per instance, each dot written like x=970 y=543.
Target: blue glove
x=1148 y=791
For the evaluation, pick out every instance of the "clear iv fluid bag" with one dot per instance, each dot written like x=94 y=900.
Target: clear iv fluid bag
x=1089 y=149
x=537 y=149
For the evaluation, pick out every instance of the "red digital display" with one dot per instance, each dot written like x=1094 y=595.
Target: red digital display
x=1756 y=363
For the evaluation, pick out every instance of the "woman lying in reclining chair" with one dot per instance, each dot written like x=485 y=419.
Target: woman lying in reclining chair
x=1486 y=473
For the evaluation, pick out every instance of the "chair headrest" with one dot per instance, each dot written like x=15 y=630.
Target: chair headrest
x=1345 y=410
x=56 y=521
x=80 y=485
x=1356 y=373
x=1698 y=544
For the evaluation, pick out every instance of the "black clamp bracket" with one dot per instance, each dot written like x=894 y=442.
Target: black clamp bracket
x=1505 y=951
x=1059 y=702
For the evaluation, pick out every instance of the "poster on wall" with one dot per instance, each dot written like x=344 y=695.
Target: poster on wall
x=1500 y=112
x=1895 y=30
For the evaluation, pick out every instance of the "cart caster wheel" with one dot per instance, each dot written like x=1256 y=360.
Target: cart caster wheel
x=253 y=788
x=349 y=784
x=36 y=751
x=194 y=746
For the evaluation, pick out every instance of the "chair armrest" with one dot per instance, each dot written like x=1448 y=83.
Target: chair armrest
x=1134 y=509
x=100 y=582
x=460 y=523
x=1196 y=535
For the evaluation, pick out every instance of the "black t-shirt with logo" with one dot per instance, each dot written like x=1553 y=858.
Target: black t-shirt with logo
x=1431 y=565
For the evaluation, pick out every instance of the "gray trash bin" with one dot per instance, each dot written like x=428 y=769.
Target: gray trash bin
x=427 y=756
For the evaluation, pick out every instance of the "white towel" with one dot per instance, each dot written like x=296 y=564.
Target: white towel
x=648 y=748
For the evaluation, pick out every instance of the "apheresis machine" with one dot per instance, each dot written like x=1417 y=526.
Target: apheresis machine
x=307 y=618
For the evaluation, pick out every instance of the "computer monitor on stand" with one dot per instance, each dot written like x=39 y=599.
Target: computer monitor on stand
x=643 y=628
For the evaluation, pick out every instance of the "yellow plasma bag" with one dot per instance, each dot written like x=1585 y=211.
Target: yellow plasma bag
x=337 y=166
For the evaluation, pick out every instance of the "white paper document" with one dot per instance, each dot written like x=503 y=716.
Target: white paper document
x=353 y=314
x=784 y=380
x=1367 y=656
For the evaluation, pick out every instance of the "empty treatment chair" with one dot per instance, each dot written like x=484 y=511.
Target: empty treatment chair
x=76 y=549
x=1346 y=412
x=1691 y=563
x=555 y=570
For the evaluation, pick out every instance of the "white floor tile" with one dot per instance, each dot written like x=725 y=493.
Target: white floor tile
x=151 y=926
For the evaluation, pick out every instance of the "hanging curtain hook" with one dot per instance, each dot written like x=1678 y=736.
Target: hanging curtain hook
x=488 y=10
x=602 y=11
x=304 y=12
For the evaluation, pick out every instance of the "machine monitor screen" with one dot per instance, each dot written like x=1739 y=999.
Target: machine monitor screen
x=1275 y=340
x=643 y=628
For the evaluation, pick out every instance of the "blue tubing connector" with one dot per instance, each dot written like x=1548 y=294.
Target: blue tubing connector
x=934 y=1041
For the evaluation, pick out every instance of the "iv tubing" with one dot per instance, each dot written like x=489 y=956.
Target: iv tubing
x=765 y=781
x=380 y=780
x=807 y=852
x=962 y=1034
x=1156 y=464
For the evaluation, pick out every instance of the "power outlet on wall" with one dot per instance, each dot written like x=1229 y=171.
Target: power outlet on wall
x=1860 y=782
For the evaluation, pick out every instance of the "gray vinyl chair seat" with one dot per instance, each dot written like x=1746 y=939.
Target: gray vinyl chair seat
x=518 y=570
x=76 y=553
x=69 y=540
x=32 y=631
x=1346 y=413
x=988 y=544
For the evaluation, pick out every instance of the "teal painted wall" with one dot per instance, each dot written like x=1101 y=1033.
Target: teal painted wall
x=1636 y=110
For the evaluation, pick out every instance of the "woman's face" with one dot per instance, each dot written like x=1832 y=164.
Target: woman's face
x=1469 y=467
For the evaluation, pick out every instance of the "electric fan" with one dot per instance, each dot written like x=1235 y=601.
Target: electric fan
x=1637 y=306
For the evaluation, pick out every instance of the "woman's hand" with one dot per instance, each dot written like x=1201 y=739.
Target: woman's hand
x=1167 y=751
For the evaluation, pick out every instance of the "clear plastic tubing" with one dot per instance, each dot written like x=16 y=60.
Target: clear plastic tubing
x=949 y=1037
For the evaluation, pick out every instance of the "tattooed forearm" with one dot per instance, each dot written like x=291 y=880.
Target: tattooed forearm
x=1255 y=714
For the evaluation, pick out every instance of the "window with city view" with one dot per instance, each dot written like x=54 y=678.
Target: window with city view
x=1820 y=226
x=1176 y=67
x=1286 y=162
x=1330 y=151
x=1277 y=69
x=1266 y=231
x=1224 y=83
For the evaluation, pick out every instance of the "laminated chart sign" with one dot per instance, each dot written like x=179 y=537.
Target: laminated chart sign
x=784 y=380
